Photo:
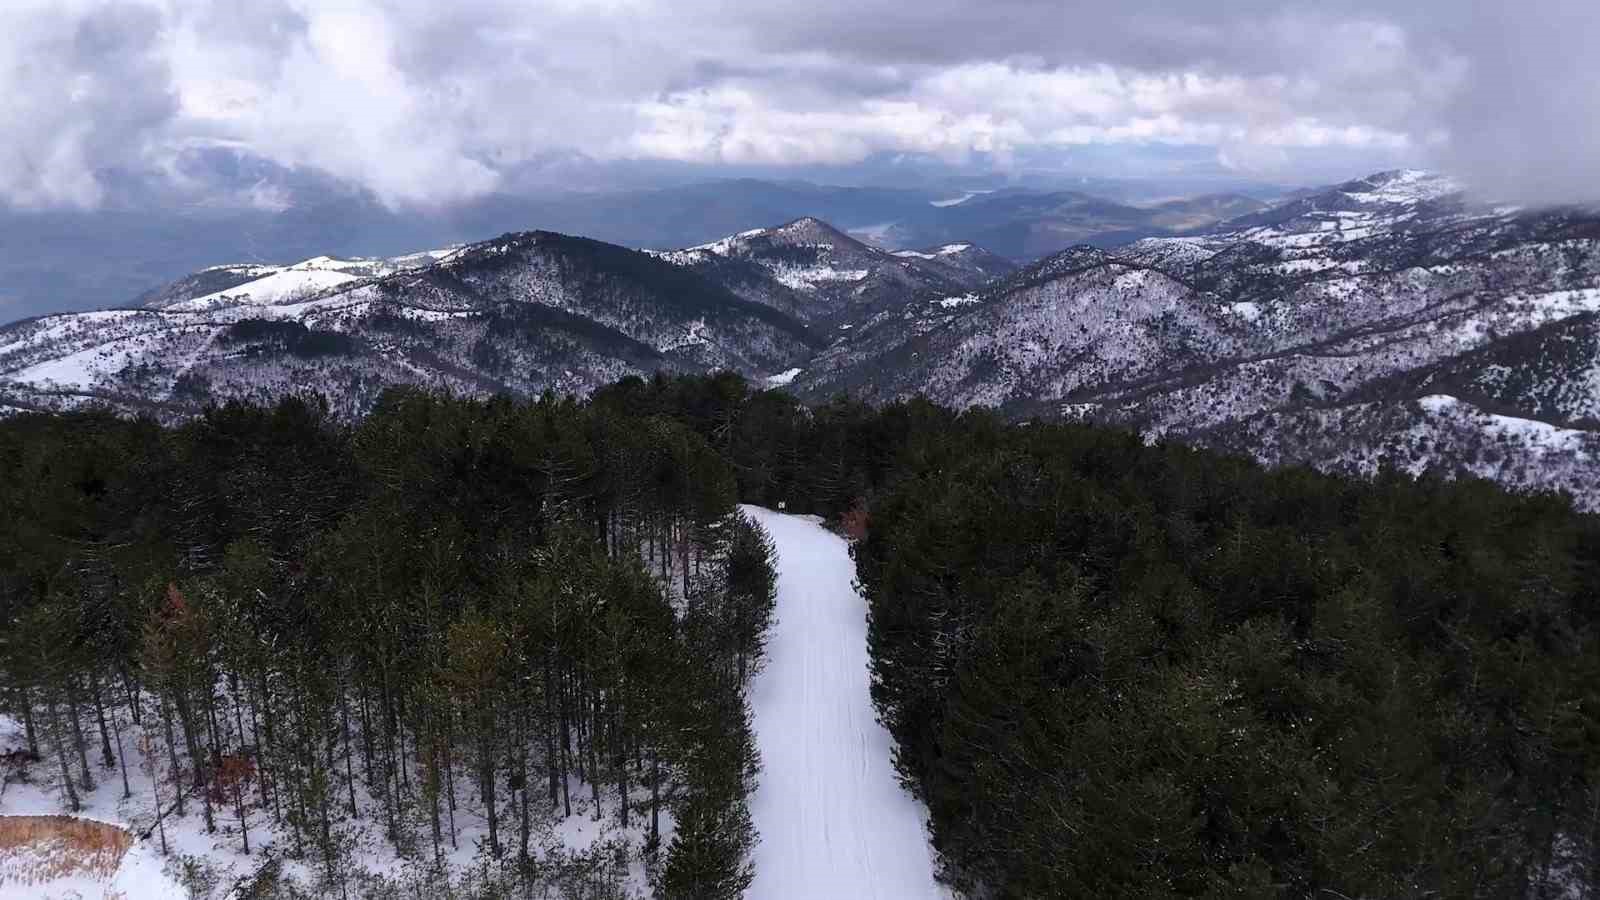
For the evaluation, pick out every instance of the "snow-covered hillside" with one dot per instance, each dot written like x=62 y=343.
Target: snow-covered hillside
x=521 y=314
x=1367 y=295
x=824 y=277
x=833 y=818
x=1331 y=312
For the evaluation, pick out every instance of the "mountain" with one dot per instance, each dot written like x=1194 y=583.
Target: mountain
x=221 y=203
x=523 y=313
x=267 y=284
x=965 y=262
x=1389 y=319
x=826 y=278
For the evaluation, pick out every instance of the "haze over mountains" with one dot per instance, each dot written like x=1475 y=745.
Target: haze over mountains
x=62 y=259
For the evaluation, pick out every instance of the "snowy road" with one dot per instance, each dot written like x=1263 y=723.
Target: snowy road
x=834 y=822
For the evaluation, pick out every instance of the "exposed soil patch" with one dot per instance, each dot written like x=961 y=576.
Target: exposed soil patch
x=36 y=851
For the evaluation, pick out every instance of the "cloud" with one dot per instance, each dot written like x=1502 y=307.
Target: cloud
x=82 y=88
x=427 y=103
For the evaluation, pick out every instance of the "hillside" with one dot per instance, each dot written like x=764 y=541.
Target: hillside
x=822 y=276
x=1303 y=333
x=523 y=313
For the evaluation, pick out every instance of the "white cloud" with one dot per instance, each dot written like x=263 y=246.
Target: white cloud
x=425 y=103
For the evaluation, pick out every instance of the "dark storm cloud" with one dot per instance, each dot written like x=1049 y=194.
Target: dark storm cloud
x=427 y=102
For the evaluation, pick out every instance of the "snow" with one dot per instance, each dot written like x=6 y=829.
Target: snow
x=82 y=369
x=783 y=378
x=946 y=250
x=807 y=277
x=418 y=314
x=1438 y=403
x=275 y=288
x=310 y=276
x=1541 y=437
x=953 y=302
x=66 y=327
x=693 y=336
x=833 y=818
x=145 y=874
x=1246 y=310
x=726 y=246
x=140 y=873
x=1408 y=186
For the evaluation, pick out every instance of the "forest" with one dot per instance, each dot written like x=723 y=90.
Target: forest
x=1112 y=668
x=453 y=612
x=1119 y=670
x=1116 y=669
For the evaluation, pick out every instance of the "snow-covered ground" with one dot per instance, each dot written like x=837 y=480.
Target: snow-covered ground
x=833 y=819
x=48 y=871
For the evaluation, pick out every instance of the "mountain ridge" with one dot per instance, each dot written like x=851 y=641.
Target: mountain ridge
x=1308 y=332
x=1366 y=292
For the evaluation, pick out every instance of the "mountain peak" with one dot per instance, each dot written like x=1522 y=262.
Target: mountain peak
x=813 y=229
x=1401 y=186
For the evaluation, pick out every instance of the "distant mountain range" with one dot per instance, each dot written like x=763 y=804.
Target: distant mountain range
x=1387 y=320
x=73 y=260
x=522 y=313
x=824 y=277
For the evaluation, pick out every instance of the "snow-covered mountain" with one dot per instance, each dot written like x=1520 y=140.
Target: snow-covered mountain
x=522 y=313
x=1391 y=319
x=228 y=285
x=1387 y=319
x=824 y=277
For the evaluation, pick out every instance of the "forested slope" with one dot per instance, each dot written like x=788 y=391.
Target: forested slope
x=1122 y=670
x=412 y=656
x=1125 y=671
x=1112 y=669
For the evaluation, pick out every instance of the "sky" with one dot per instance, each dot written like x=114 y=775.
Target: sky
x=429 y=103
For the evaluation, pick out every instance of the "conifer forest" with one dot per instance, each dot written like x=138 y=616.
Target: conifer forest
x=1111 y=668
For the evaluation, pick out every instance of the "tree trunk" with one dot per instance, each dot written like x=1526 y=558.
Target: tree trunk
x=191 y=741
x=172 y=753
x=106 y=760
x=349 y=751
x=366 y=736
x=486 y=775
x=551 y=762
x=594 y=754
x=450 y=778
x=431 y=789
x=122 y=759
x=132 y=694
x=620 y=753
x=78 y=742
x=27 y=722
x=522 y=756
x=238 y=805
x=61 y=755
x=655 y=798
x=566 y=753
